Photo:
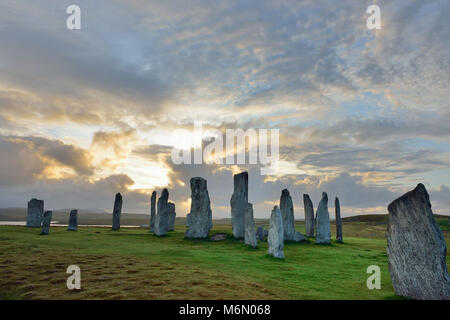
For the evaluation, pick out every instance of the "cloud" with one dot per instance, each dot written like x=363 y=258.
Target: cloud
x=18 y=165
x=362 y=114
x=442 y=197
x=24 y=159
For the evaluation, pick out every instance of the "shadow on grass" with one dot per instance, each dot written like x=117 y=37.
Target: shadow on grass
x=294 y=243
x=272 y=258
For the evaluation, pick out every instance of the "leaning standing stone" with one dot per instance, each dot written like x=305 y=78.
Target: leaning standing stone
x=337 y=209
x=239 y=201
x=250 y=235
x=117 y=212
x=309 y=215
x=298 y=237
x=287 y=212
x=152 y=211
x=73 y=220
x=276 y=234
x=162 y=216
x=171 y=217
x=416 y=248
x=35 y=213
x=47 y=219
x=199 y=220
x=323 y=233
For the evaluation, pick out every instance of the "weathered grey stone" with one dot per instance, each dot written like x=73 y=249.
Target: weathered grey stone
x=239 y=201
x=199 y=220
x=260 y=234
x=219 y=237
x=337 y=210
x=416 y=248
x=117 y=212
x=323 y=232
x=171 y=217
x=287 y=213
x=152 y=211
x=35 y=213
x=162 y=215
x=250 y=235
x=298 y=237
x=73 y=221
x=309 y=215
x=46 y=221
x=276 y=234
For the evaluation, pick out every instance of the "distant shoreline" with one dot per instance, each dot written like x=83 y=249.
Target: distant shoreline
x=17 y=216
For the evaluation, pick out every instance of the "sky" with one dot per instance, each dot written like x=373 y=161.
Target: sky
x=363 y=115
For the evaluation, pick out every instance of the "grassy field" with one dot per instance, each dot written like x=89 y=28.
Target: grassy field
x=134 y=264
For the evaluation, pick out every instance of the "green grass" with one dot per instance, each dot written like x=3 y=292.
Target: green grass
x=134 y=264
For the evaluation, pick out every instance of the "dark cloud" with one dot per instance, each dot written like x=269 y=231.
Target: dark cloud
x=77 y=193
x=66 y=155
x=25 y=159
x=18 y=164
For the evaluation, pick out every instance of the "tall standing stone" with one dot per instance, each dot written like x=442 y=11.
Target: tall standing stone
x=171 y=217
x=260 y=233
x=276 y=234
x=46 y=221
x=162 y=215
x=250 y=235
x=309 y=215
x=287 y=213
x=416 y=248
x=152 y=211
x=117 y=212
x=323 y=232
x=199 y=220
x=337 y=210
x=35 y=213
x=239 y=202
x=73 y=221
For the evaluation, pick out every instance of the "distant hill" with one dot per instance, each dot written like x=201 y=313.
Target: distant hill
x=377 y=218
x=87 y=217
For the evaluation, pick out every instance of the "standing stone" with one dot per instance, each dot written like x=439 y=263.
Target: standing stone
x=260 y=233
x=416 y=248
x=162 y=215
x=276 y=234
x=35 y=213
x=239 y=202
x=250 y=235
x=73 y=221
x=337 y=210
x=199 y=220
x=46 y=220
x=298 y=237
x=323 y=233
x=171 y=217
x=287 y=212
x=309 y=215
x=117 y=212
x=152 y=211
